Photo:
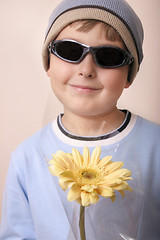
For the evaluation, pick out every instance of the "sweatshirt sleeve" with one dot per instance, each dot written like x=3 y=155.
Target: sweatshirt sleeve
x=16 y=222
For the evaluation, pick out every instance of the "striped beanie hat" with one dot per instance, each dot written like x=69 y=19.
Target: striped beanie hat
x=116 y=13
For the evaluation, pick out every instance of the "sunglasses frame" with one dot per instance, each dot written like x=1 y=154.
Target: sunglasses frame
x=128 y=58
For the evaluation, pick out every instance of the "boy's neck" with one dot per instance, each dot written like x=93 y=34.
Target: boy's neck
x=91 y=125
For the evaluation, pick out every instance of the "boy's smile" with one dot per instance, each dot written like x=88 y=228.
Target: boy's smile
x=85 y=89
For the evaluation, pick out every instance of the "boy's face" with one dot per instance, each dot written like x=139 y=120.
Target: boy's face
x=86 y=89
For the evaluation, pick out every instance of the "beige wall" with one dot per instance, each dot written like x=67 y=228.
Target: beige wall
x=25 y=93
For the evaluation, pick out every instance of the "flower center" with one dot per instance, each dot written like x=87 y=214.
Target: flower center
x=88 y=175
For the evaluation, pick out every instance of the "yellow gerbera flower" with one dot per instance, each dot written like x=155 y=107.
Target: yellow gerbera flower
x=89 y=177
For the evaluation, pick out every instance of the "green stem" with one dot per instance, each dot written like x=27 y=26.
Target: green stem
x=82 y=223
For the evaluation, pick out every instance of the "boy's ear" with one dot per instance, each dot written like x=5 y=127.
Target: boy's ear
x=127 y=84
x=48 y=72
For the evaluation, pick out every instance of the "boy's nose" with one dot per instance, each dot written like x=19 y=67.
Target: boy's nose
x=87 y=67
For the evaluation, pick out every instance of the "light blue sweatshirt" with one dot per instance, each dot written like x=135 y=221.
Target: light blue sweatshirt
x=35 y=207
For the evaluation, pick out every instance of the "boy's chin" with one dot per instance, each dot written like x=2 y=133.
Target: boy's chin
x=90 y=113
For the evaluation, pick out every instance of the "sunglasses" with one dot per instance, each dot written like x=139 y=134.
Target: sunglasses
x=104 y=56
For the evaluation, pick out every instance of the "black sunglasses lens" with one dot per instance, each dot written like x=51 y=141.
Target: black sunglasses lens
x=69 y=50
x=109 y=57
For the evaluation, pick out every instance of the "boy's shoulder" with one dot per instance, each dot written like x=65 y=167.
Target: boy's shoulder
x=34 y=143
x=148 y=129
x=148 y=124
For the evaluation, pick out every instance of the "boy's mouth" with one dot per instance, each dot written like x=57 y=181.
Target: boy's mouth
x=82 y=88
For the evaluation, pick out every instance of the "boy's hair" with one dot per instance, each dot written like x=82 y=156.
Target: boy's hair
x=87 y=25
x=116 y=13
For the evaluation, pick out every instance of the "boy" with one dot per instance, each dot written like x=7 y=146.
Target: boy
x=92 y=51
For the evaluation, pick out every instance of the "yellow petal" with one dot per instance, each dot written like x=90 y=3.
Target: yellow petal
x=57 y=160
x=105 y=192
x=77 y=157
x=85 y=199
x=111 y=180
x=65 y=184
x=60 y=166
x=120 y=174
x=122 y=186
x=69 y=155
x=93 y=198
x=86 y=156
x=88 y=188
x=105 y=187
x=129 y=189
x=95 y=157
x=78 y=200
x=113 y=198
x=104 y=161
x=114 y=166
x=51 y=162
x=126 y=172
x=54 y=171
x=67 y=176
x=74 y=193
x=121 y=192
x=63 y=158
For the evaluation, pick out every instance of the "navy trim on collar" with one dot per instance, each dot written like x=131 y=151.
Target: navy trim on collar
x=95 y=138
